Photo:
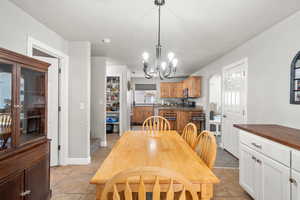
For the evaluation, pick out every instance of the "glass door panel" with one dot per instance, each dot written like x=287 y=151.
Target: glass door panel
x=32 y=105
x=6 y=91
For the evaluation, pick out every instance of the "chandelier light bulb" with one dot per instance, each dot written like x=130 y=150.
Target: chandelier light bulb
x=175 y=62
x=171 y=56
x=146 y=56
x=163 y=65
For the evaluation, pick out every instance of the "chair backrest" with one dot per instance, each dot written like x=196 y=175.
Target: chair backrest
x=206 y=148
x=172 y=182
x=156 y=123
x=5 y=120
x=189 y=134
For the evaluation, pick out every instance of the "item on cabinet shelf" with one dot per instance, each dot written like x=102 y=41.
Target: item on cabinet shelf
x=24 y=147
x=109 y=128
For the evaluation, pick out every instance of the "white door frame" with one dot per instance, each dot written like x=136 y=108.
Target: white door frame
x=64 y=84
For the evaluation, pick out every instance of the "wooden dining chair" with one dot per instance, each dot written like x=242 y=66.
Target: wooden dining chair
x=206 y=148
x=148 y=179
x=189 y=134
x=5 y=120
x=156 y=123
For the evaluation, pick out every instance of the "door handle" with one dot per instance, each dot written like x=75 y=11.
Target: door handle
x=27 y=192
x=293 y=181
x=224 y=116
x=258 y=161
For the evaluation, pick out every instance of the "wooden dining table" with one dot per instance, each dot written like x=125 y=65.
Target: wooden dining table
x=164 y=149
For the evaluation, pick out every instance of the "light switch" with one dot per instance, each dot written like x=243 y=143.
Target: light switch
x=81 y=106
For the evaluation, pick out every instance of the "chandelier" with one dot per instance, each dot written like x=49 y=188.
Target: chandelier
x=161 y=68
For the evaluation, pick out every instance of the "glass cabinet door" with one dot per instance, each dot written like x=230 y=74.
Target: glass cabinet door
x=6 y=102
x=32 y=105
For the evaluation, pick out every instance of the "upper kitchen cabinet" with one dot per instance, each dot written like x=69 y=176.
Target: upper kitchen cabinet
x=165 y=90
x=171 y=90
x=192 y=87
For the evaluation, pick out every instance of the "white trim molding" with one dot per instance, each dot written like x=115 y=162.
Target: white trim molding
x=79 y=161
x=64 y=102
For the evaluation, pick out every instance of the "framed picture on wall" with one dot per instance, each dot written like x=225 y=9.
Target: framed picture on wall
x=295 y=80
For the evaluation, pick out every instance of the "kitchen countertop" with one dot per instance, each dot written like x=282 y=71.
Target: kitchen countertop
x=180 y=108
x=281 y=134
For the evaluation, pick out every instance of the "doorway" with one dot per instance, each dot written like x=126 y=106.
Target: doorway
x=53 y=103
x=58 y=98
x=234 y=103
x=215 y=106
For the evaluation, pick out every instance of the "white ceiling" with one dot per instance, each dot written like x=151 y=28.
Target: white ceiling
x=198 y=31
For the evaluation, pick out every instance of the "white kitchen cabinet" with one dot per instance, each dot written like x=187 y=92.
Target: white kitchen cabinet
x=295 y=185
x=261 y=176
x=274 y=179
x=248 y=170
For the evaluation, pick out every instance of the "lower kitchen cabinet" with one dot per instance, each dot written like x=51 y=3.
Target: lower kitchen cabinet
x=248 y=170
x=37 y=179
x=31 y=184
x=295 y=185
x=12 y=187
x=262 y=177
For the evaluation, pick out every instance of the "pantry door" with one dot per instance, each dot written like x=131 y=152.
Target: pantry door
x=234 y=104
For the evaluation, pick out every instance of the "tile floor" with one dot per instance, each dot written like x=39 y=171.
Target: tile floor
x=72 y=182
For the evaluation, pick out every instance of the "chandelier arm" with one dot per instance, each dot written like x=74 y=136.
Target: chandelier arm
x=147 y=75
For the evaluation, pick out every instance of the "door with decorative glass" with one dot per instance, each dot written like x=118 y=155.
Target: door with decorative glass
x=234 y=103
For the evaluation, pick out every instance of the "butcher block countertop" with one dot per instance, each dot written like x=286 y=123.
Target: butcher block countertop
x=281 y=134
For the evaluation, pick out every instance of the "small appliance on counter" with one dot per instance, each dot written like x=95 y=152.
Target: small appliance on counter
x=190 y=104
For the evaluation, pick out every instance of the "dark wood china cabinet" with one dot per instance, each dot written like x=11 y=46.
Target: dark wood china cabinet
x=24 y=147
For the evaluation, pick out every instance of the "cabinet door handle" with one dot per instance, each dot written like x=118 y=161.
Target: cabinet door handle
x=27 y=192
x=256 y=145
x=253 y=158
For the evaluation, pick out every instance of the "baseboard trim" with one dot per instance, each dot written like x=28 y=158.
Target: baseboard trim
x=79 y=161
x=103 y=144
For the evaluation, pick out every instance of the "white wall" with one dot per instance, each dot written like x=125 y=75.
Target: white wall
x=17 y=26
x=269 y=56
x=98 y=90
x=79 y=100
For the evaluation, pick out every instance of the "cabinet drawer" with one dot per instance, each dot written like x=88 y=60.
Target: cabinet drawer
x=296 y=160
x=269 y=148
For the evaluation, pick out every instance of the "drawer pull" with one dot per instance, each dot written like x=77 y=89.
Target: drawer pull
x=256 y=145
x=27 y=192
x=253 y=158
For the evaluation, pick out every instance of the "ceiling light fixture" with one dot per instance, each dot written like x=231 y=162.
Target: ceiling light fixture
x=163 y=69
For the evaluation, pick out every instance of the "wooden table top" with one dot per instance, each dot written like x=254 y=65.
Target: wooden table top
x=281 y=134
x=163 y=149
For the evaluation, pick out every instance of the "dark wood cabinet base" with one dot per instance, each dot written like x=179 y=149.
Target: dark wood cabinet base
x=26 y=175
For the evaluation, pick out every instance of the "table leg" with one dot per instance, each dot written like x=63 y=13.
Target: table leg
x=206 y=192
x=98 y=192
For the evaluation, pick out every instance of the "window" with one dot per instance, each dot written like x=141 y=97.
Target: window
x=145 y=93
